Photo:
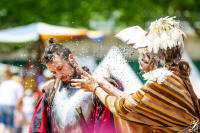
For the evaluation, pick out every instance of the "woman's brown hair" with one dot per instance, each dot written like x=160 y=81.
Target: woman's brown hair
x=170 y=58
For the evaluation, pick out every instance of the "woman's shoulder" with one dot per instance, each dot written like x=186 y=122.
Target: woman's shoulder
x=166 y=81
x=163 y=77
x=158 y=75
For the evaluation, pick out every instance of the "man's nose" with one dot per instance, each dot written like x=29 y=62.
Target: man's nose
x=59 y=75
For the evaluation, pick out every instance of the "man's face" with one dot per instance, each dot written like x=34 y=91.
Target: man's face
x=61 y=68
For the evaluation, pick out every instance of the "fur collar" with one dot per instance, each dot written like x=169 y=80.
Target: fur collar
x=157 y=75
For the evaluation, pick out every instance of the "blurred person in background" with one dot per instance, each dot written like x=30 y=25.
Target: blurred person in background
x=28 y=105
x=29 y=74
x=10 y=93
x=19 y=118
x=37 y=93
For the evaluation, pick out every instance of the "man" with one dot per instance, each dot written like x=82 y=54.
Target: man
x=167 y=102
x=10 y=94
x=64 y=108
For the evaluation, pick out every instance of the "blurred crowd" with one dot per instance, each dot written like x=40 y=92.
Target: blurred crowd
x=19 y=94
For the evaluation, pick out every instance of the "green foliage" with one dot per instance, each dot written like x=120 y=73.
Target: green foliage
x=78 y=13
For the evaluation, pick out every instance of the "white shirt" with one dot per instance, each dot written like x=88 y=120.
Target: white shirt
x=10 y=92
x=28 y=104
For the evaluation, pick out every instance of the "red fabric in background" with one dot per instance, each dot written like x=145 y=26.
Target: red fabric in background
x=105 y=122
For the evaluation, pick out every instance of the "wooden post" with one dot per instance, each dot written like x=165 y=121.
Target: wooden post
x=39 y=48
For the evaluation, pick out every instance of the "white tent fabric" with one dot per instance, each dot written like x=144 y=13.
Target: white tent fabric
x=18 y=39
x=20 y=34
x=194 y=76
x=115 y=64
x=39 y=30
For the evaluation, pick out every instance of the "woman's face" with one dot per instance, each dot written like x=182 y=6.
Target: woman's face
x=143 y=61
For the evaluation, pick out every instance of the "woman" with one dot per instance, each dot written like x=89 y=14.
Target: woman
x=166 y=102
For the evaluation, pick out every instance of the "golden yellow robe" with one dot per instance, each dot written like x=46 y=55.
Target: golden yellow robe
x=165 y=107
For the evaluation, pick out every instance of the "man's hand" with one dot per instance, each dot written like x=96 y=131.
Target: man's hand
x=86 y=83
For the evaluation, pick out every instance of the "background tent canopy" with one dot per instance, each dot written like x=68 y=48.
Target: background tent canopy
x=36 y=31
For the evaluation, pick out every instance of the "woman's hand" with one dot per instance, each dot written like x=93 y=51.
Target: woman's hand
x=86 y=83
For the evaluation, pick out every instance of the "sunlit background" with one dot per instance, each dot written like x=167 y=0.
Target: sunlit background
x=87 y=27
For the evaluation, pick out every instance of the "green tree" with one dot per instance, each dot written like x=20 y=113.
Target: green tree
x=78 y=13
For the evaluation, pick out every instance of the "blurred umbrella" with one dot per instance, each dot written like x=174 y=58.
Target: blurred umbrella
x=95 y=36
x=43 y=31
